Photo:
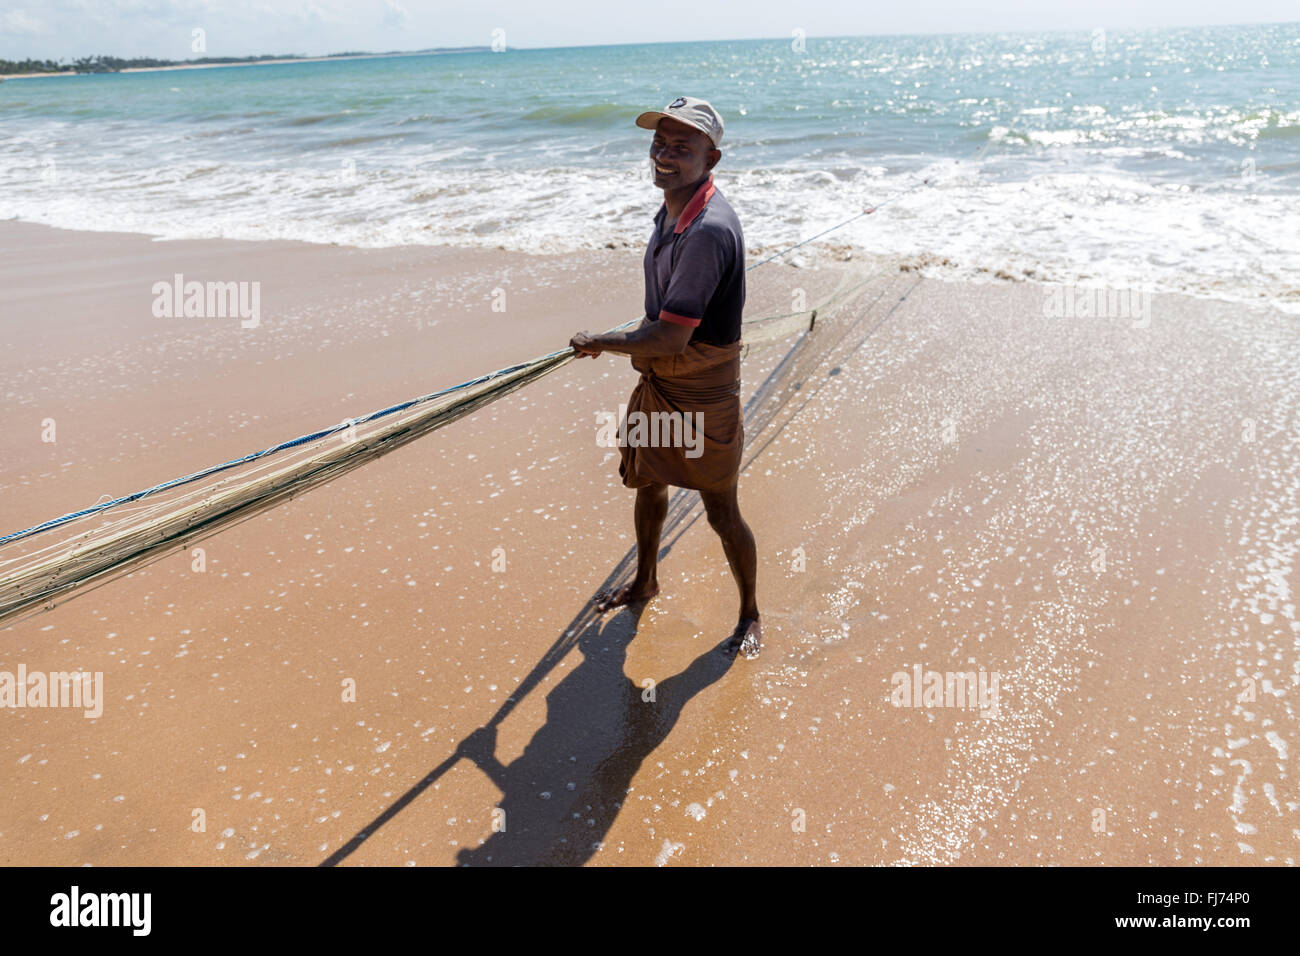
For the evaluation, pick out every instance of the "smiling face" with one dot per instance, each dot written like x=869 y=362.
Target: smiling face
x=680 y=155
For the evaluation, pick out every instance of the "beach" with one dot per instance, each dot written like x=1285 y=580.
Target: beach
x=269 y=62
x=1095 y=517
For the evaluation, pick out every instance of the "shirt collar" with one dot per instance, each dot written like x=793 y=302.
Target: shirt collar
x=694 y=207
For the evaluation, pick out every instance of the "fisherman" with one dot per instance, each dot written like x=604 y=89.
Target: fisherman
x=687 y=349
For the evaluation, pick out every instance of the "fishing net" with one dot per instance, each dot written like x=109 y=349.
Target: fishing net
x=44 y=564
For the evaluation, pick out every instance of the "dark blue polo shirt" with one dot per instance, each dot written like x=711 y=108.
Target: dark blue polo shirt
x=695 y=275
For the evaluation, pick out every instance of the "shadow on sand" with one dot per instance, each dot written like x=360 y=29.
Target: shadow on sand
x=598 y=728
x=562 y=794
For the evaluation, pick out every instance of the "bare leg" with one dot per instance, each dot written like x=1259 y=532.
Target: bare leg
x=650 y=513
x=723 y=509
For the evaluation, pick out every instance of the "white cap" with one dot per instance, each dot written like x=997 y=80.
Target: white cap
x=691 y=111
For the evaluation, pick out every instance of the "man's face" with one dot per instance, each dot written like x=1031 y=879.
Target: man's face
x=680 y=155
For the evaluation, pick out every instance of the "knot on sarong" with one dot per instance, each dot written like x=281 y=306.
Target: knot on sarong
x=702 y=385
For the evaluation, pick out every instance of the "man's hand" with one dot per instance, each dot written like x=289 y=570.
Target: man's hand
x=648 y=340
x=584 y=343
x=480 y=745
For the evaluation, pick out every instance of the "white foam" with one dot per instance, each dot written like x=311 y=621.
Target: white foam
x=1096 y=226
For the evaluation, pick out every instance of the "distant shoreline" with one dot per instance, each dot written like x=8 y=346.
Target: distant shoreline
x=249 y=62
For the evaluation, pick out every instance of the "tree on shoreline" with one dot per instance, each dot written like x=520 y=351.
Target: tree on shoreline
x=112 y=64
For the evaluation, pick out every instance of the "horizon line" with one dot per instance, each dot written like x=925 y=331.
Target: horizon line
x=482 y=47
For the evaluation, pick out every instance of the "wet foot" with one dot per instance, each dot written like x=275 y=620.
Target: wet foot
x=746 y=639
x=608 y=599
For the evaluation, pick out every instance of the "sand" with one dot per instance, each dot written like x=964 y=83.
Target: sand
x=937 y=476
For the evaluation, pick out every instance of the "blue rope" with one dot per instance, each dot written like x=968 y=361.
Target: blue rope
x=283 y=446
x=382 y=413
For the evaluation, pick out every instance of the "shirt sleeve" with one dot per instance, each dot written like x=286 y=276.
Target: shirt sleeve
x=702 y=262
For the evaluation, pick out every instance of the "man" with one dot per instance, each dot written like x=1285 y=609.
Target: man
x=687 y=349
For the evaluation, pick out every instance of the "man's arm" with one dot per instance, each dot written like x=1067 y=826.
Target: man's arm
x=706 y=254
x=647 y=340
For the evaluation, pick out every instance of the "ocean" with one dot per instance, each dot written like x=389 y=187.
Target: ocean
x=1167 y=159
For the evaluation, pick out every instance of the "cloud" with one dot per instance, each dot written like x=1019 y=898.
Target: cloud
x=395 y=15
x=20 y=22
x=68 y=28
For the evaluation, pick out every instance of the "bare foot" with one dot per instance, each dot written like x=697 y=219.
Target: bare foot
x=631 y=594
x=746 y=639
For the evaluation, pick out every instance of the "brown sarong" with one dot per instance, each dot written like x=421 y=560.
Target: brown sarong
x=700 y=387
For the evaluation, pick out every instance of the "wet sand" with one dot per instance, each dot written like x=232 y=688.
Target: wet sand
x=1102 y=516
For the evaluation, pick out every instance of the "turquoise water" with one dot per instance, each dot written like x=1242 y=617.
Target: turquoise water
x=1167 y=157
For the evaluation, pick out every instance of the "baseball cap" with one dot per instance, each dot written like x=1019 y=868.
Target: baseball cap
x=691 y=111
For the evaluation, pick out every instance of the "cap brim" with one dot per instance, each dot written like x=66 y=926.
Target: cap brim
x=650 y=120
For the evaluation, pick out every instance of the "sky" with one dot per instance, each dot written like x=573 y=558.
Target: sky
x=64 y=29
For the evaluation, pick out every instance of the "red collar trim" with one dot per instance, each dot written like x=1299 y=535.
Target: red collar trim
x=696 y=205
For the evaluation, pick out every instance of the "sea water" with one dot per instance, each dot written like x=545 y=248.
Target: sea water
x=1166 y=159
